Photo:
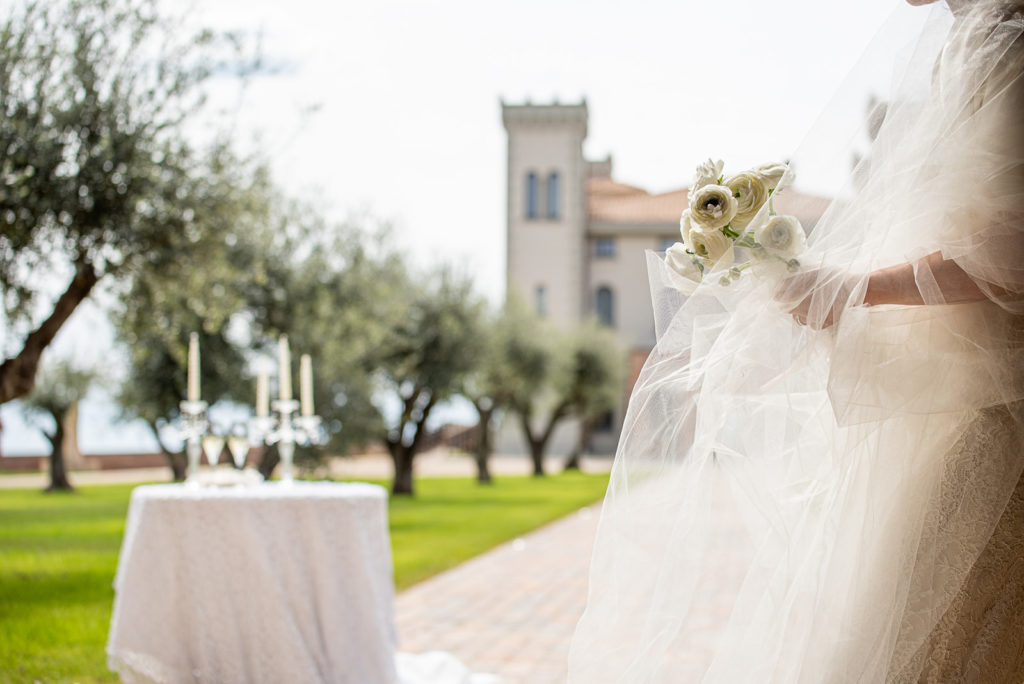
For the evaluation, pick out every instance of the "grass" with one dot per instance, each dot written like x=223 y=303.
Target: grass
x=58 y=554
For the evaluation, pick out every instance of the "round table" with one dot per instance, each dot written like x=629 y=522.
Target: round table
x=269 y=583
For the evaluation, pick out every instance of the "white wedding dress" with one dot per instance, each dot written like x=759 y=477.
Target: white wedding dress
x=843 y=505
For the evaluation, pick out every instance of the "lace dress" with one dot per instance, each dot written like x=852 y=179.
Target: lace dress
x=980 y=637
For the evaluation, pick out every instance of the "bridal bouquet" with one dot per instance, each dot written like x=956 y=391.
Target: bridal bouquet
x=725 y=214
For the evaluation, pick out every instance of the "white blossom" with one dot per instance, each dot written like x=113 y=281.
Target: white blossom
x=782 y=236
x=712 y=207
x=707 y=173
x=684 y=265
x=770 y=174
x=751 y=193
x=712 y=245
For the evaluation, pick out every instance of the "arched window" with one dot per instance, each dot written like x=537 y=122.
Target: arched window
x=532 y=199
x=541 y=301
x=553 y=195
x=604 y=303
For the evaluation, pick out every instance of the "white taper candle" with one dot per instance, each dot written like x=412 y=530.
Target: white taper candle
x=193 y=367
x=284 y=369
x=262 y=391
x=306 y=384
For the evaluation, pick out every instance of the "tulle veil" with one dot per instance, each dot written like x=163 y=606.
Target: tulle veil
x=806 y=503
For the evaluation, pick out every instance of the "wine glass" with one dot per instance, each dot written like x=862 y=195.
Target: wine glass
x=238 y=445
x=212 y=446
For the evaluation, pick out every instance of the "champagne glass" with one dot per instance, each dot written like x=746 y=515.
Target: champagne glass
x=238 y=445
x=212 y=446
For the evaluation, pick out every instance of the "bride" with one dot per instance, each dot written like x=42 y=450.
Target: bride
x=836 y=495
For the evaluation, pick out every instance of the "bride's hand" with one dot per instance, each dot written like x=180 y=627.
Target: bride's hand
x=798 y=293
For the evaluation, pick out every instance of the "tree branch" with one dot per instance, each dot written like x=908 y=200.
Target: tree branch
x=18 y=374
x=556 y=415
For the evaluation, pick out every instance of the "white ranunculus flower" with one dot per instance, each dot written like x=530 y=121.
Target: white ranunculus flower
x=685 y=224
x=682 y=263
x=712 y=207
x=751 y=193
x=708 y=173
x=770 y=174
x=782 y=236
x=712 y=245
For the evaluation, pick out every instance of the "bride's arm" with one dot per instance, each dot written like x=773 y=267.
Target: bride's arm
x=900 y=284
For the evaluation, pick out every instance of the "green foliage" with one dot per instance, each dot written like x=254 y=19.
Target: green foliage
x=429 y=353
x=96 y=176
x=337 y=291
x=554 y=373
x=595 y=377
x=91 y=165
x=197 y=282
x=58 y=555
x=529 y=350
x=435 y=341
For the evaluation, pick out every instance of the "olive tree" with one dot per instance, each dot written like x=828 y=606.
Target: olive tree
x=430 y=351
x=61 y=386
x=556 y=374
x=337 y=290
x=594 y=383
x=198 y=281
x=95 y=165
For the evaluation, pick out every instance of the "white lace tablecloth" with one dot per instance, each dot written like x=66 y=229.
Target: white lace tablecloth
x=273 y=583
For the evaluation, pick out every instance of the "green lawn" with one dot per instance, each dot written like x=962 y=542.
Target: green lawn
x=58 y=554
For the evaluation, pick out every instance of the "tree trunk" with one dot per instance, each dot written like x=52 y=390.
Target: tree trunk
x=586 y=430
x=176 y=460
x=537 y=448
x=402 y=454
x=539 y=443
x=536 y=444
x=178 y=463
x=483 y=446
x=402 y=457
x=58 y=473
x=269 y=459
x=18 y=374
x=72 y=454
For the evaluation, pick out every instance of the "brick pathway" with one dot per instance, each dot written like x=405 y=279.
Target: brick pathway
x=511 y=611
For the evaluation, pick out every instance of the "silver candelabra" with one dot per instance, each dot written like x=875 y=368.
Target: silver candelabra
x=194 y=426
x=286 y=430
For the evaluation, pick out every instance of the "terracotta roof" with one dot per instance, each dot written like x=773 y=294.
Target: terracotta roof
x=608 y=200
x=605 y=186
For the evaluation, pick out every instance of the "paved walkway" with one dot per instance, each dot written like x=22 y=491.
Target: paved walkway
x=511 y=611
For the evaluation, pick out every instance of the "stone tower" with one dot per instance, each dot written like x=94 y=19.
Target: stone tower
x=546 y=210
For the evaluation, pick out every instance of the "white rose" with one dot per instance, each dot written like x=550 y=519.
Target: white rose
x=751 y=193
x=712 y=245
x=782 y=236
x=712 y=206
x=708 y=173
x=770 y=174
x=683 y=264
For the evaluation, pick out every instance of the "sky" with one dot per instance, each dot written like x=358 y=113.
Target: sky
x=391 y=108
